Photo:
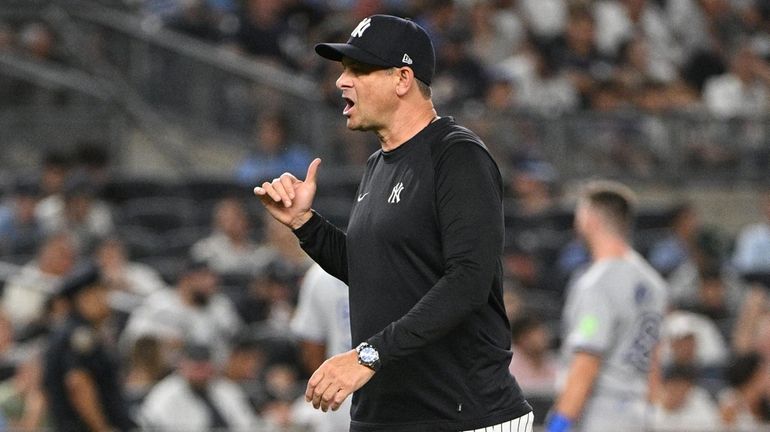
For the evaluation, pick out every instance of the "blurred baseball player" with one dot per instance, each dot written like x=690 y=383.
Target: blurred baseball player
x=611 y=322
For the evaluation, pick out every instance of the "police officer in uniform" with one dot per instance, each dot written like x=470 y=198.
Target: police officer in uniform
x=81 y=377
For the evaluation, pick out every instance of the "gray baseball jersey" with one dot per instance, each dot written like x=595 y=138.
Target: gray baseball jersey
x=323 y=313
x=323 y=316
x=615 y=310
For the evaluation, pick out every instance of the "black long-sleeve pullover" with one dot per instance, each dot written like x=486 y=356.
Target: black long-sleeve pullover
x=422 y=260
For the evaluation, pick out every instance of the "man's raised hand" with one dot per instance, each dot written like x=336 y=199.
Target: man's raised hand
x=288 y=199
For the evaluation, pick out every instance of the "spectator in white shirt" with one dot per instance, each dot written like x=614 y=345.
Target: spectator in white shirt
x=683 y=405
x=690 y=339
x=26 y=293
x=617 y=22
x=194 y=310
x=741 y=404
x=129 y=282
x=229 y=248
x=741 y=92
x=544 y=18
x=80 y=212
x=197 y=398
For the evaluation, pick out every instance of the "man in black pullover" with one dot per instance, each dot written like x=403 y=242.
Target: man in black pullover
x=421 y=255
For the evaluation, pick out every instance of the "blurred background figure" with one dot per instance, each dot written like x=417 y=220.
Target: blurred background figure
x=81 y=212
x=282 y=387
x=743 y=90
x=693 y=341
x=464 y=80
x=22 y=401
x=683 y=405
x=261 y=28
x=704 y=284
x=534 y=363
x=196 y=397
x=129 y=282
x=268 y=299
x=274 y=152
x=501 y=93
x=27 y=293
x=194 y=310
x=534 y=187
x=743 y=404
x=81 y=376
x=230 y=247
x=752 y=329
x=752 y=245
x=9 y=349
x=548 y=91
x=20 y=231
x=245 y=366
x=54 y=171
x=146 y=365
x=668 y=253
x=575 y=52
x=321 y=322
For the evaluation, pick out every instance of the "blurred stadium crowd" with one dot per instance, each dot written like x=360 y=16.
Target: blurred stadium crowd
x=549 y=56
x=648 y=77
x=196 y=260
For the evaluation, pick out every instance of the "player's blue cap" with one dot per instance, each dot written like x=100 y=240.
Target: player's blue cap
x=387 y=41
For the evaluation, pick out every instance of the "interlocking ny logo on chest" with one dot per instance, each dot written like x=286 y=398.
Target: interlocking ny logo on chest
x=395 y=194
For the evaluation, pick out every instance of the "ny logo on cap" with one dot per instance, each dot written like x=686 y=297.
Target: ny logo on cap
x=361 y=27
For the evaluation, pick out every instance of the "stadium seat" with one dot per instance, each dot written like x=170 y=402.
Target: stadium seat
x=178 y=241
x=140 y=241
x=158 y=214
x=120 y=190
x=207 y=189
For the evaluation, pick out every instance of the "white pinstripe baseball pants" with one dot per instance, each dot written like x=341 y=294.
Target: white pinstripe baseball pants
x=520 y=424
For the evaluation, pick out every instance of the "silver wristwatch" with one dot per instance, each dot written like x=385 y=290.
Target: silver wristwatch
x=368 y=356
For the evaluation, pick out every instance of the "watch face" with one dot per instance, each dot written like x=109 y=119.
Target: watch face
x=369 y=355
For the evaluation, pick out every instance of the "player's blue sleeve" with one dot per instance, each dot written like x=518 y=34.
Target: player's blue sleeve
x=556 y=422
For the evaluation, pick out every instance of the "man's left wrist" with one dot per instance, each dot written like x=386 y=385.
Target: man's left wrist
x=368 y=356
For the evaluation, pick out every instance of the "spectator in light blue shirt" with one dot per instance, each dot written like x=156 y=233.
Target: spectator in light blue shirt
x=670 y=252
x=274 y=153
x=20 y=231
x=752 y=247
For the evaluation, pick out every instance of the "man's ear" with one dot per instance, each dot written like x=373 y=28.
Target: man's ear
x=405 y=80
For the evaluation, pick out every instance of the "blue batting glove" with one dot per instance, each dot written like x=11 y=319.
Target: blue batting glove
x=556 y=422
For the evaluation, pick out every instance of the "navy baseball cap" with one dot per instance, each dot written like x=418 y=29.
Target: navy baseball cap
x=387 y=41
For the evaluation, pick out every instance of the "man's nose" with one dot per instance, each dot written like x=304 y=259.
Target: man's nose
x=343 y=81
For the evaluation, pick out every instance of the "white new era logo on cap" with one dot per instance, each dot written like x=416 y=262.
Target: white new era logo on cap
x=407 y=59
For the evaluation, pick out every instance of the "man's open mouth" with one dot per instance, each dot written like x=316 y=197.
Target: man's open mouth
x=348 y=105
